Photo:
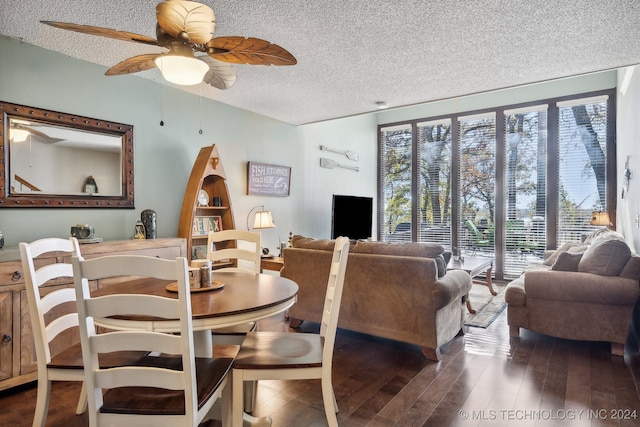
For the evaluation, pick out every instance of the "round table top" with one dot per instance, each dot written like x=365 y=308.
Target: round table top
x=242 y=293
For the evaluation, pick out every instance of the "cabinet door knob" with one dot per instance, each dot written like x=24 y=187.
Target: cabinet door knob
x=16 y=275
x=6 y=338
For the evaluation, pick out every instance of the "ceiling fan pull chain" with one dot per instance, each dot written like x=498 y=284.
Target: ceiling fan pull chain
x=161 y=100
x=200 y=107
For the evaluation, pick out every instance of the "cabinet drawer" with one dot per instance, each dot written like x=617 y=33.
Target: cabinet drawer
x=11 y=273
x=6 y=335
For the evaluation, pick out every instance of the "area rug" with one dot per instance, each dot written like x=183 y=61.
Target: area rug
x=487 y=306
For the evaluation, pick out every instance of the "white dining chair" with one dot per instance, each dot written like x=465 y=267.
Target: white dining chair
x=67 y=364
x=242 y=249
x=167 y=387
x=294 y=356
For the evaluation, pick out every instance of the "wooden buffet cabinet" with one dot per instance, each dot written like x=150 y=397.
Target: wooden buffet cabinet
x=17 y=352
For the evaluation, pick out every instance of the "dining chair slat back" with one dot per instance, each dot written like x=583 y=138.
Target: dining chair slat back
x=144 y=392
x=58 y=307
x=246 y=252
x=247 y=249
x=287 y=355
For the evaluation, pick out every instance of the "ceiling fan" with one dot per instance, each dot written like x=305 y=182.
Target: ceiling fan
x=186 y=28
x=20 y=130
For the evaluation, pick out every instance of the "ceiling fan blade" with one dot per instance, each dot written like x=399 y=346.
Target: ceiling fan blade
x=134 y=64
x=41 y=136
x=195 y=19
x=220 y=75
x=104 y=32
x=253 y=51
x=45 y=138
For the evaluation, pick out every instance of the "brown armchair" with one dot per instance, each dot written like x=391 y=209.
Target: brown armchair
x=586 y=296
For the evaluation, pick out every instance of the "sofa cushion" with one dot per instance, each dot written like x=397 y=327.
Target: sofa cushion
x=428 y=250
x=606 y=256
x=536 y=266
x=311 y=243
x=567 y=262
x=631 y=269
x=417 y=249
x=563 y=248
x=578 y=249
x=590 y=238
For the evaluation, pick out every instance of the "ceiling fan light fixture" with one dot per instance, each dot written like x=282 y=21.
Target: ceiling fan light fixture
x=181 y=69
x=19 y=135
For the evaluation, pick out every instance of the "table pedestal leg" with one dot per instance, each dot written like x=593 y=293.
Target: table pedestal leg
x=247 y=419
x=251 y=421
x=203 y=343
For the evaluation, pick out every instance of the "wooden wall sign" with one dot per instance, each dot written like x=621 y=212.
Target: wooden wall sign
x=268 y=180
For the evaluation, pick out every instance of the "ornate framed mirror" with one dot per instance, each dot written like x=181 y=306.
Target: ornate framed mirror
x=52 y=159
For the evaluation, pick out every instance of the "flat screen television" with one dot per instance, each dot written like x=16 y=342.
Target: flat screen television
x=351 y=216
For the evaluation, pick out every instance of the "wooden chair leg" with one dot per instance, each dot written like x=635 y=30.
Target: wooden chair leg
x=330 y=406
x=617 y=349
x=82 y=400
x=225 y=405
x=249 y=395
x=237 y=405
x=42 y=402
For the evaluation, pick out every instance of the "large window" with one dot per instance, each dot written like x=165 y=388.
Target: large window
x=507 y=183
x=524 y=192
x=477 y=178
x=582 y=168
x=434 y=182
x=396 y=182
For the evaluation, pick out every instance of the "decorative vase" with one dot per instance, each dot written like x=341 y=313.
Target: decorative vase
x=148 y=218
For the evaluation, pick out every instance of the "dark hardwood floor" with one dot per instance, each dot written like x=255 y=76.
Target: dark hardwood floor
x=484 y=379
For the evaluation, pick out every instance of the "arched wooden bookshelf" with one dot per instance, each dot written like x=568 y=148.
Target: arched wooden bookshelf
x=208 y=175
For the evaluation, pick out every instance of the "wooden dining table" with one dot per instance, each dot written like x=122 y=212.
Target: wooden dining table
x=243 y=298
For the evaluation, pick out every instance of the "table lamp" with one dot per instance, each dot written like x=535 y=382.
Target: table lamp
x=600 y=218
x=262 y=219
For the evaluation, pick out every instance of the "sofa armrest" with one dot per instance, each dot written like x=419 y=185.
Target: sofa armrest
x=453 y=285
x=581 y=287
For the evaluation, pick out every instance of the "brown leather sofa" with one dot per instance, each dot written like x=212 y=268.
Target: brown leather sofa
x=582 y=291
x=399 y=291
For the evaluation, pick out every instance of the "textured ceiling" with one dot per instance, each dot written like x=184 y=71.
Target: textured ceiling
x=353 y=53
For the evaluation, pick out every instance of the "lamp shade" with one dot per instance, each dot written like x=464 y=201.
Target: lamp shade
x=600 y=218
x=263 y=219
x=182 y=69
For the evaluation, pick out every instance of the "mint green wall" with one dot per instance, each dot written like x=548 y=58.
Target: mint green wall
x=164 y=155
